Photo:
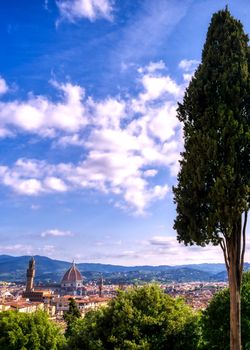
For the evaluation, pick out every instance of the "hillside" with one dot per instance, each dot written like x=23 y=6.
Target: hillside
x=50 y=270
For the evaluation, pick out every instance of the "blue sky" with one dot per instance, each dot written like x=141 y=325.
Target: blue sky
x=89 y=139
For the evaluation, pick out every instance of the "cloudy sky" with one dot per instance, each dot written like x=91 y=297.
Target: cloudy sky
x=89 y=137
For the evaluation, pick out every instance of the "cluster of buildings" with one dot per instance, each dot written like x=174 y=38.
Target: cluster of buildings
x=55 y=302
x=196 y=294
x=87 y=296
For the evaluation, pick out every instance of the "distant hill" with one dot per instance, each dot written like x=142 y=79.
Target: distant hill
x=14 y=268
x=50 y=270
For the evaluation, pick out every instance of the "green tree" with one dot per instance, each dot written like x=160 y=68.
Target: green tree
x=71 y=316
x=141 y=318
x=213 y=190
x=21 y=331
x=215 y=319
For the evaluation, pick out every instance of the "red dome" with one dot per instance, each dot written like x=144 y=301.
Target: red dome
x=72 y=275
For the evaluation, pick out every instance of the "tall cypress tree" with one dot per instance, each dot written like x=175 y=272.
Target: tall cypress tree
x=71 y=316
x=213 y=190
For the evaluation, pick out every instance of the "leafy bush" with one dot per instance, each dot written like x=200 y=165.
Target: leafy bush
x=141 y=318
x=22 y=331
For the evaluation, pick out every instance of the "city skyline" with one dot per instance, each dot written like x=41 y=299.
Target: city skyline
x=90 y=142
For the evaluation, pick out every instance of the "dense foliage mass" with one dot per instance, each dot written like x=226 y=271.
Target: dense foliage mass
x=21 y=331
x=215 y=319
x=143 y=318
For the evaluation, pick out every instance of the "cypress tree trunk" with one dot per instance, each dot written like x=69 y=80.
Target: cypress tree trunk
x=235 y=322
x=234 y=278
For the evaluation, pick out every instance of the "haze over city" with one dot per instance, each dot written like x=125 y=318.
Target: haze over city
x=90 y=142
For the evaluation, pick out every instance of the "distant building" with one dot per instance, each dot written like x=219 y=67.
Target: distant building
x=84 y=304
x=22 y=306
x=30 y=292
x=72 y=281
x=100 y=287
x=30 y=275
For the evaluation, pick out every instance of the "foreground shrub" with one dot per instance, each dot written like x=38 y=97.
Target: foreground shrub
x=142 y=318
x=21 y=331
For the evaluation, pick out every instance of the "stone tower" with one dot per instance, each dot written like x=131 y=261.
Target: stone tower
x=30 y=275
x=100 y=287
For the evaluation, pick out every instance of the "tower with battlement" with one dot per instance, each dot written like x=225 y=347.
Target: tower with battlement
x=100 y=287
x=30 y=292
x=30 y=275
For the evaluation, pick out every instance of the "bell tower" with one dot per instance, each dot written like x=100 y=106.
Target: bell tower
x=30 y=275
x=100 y=287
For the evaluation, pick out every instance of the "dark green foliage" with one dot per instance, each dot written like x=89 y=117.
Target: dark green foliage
x=213 y=189
x=214 y=181
x=71 y=316
x=21 y=331
x=142 y=318
x=215 y=319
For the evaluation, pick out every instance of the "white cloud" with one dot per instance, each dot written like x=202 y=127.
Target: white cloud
x=158 y=86
x=28 y=187
x=32 y=177
x=164 y=250
x=188 y=65
x=69 y=140
x=153 y=67
x=29 y=167
x=115 y=173
x=48 y=250
x=27 y=249
x=137 y=194
x=3 y=86
x=150 y=172
x=177 y=253
x=160 y=250
x=73 y=10
x=21 y=185
x=16 y=249
x=56 y=233
x=40 y=115
x=162 y=241
x=125 y=141
x=163 y=121
x=107 y=113
x=55 y=184
x=187 y=76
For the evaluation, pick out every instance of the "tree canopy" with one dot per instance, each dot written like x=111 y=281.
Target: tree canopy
x=142 y=318
x=22 y=331
x=214 y=180
x=71 y=315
